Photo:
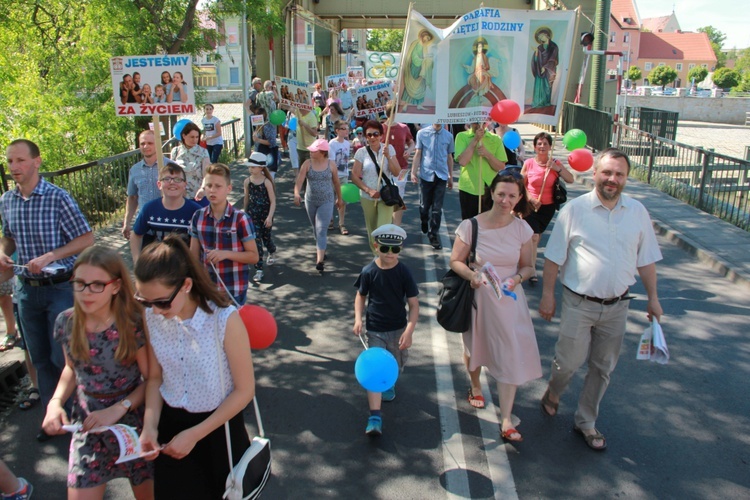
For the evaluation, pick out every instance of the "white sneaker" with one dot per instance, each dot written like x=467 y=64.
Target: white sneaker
x=270 y=260
x=258 y=276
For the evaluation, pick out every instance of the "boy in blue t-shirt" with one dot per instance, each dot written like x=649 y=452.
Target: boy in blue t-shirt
x=389 y=285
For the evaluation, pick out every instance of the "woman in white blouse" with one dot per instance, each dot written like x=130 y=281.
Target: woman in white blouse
x=195 y=333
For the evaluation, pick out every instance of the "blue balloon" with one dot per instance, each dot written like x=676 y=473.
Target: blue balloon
x=353 y=124
x=292 y=123
x=511 y=139
x=177 y=129
x=376 y=369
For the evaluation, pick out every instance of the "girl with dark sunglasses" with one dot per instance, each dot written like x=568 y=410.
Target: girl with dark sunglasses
x=194 y=333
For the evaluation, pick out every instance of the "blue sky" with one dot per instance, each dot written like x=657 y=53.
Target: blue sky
x=729 y=17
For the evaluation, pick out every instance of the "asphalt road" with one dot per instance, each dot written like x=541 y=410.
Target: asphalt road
x=674 y=431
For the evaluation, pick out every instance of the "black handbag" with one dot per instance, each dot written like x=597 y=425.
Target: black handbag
x=456 y=295
x=559 y=193
x=389 y=192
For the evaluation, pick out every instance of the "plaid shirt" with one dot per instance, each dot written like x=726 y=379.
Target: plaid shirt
x=48 y=219
x=227 y=233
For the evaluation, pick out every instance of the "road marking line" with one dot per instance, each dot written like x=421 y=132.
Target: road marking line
x=498 y=465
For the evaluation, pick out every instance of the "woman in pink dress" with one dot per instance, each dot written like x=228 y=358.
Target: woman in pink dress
x=501 y=337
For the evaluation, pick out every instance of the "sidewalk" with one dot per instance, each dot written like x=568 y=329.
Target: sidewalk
x=719 y=244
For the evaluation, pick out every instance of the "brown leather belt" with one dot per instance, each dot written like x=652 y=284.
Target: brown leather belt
x=604 y=302
x=52 y=280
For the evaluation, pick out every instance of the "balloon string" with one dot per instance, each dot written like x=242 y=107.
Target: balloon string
x=223 y=285
x=361 y=339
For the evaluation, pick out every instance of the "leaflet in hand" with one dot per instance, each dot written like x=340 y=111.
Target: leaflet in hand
x=127 y=438
x=493 y=280
x=653 y=345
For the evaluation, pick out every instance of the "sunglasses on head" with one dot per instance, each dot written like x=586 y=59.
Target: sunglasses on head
x=513 y=172
x=389 y=248
x=161 y=304
x=373 y=134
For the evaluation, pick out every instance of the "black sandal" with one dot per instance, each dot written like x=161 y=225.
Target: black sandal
x=32 y=398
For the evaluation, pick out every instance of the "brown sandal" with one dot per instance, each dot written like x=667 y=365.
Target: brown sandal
x=546 y=401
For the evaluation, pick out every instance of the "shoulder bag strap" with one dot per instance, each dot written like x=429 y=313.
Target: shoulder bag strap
x=474 y=237
x=377 y=166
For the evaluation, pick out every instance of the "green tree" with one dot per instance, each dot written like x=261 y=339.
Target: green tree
x=699 y=73
x=743 y=61
x=634 y=74
x=662 y=75
x=54 y=66
x=726 y=78
x=385 y=40
x=716 y=38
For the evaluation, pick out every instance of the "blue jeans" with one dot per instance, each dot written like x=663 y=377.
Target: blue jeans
x=38 y=308
x=431 y=194
x=214 y=151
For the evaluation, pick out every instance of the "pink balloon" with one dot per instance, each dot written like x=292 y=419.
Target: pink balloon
x=505 y=112
x=580 y=160
x=260 y=325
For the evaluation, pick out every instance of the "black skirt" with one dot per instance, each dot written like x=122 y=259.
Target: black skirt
x=202 y=474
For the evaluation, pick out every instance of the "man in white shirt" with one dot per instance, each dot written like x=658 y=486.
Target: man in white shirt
x=599 y=241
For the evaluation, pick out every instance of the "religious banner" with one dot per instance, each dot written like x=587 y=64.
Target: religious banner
x=486 y=56
x=371 y=99
x=336 y=81
x=294 y=93
x=153 y=85
x=382 y=65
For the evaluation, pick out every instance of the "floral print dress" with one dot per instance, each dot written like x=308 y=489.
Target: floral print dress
x=192 y=161
x=101 y=382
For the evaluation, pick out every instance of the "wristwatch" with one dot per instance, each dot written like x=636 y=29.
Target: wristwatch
x=127 y=404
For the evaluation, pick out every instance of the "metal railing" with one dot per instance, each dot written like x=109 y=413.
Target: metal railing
x=100 y=186
x=715 y=183
x=597 y=124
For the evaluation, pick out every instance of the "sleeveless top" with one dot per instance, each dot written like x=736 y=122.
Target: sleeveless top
x=319 y=185
x=258 y=203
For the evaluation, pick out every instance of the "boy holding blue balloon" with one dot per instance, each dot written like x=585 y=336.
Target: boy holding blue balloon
x=386 y=285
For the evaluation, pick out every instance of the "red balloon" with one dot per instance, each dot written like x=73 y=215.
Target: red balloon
x=505 y=112
x=260 y=325
x=581 y=159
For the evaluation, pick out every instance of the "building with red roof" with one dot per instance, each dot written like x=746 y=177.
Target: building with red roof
x=681 y=51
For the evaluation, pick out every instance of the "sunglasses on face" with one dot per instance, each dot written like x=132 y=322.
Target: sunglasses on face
x=94 y=286
x=389 y=248
x=372 y=134
x=513 y=172
x=161 y=304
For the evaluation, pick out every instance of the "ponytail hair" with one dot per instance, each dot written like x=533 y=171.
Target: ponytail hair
x=128 y=313
x=170 y=262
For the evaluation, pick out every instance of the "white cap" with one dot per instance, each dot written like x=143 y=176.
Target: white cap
x=389 y=234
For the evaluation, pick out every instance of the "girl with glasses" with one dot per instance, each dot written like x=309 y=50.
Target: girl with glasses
x=194 y=334
x=501 y=337
x=106 y=359
x=366 y=177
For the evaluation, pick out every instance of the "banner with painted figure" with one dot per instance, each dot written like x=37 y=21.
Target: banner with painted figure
x=294 y=93
x=336 y=81
x=153 y=85
x=371 y=100
x=487 y=55
x=381 y=65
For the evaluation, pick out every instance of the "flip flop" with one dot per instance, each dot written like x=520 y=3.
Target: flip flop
x=511 y=435
x=476 y=401
x=32 y=398
x=547 y=402
x=590 y=439
x=344 y=230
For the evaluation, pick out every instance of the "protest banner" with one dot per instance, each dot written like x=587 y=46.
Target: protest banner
x=486 y=56
x=371 y=99
x=382 y=65
x=355 y=74
x=153 y=85
x=294 y=93
x=336 y=81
